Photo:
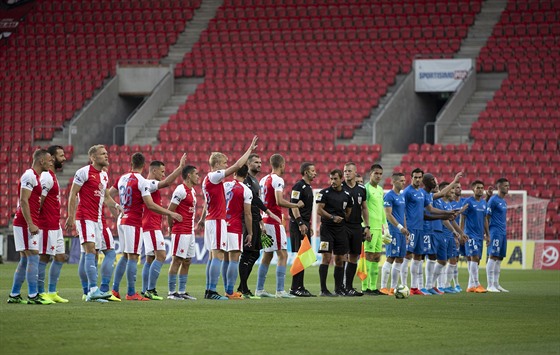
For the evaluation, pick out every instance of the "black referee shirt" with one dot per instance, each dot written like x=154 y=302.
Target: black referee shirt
x=256 y=205
x=302 y=192
x=336 y=203
x=358 y=194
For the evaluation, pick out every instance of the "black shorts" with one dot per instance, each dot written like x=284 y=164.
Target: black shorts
x=334 y=240
x=256 y=241
x=295 y=235
x=356 y=238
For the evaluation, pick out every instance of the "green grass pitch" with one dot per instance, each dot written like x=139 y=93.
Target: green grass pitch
x=526 y=320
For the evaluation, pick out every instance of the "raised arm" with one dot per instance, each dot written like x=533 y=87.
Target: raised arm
x=175 y=174
x=243 y=159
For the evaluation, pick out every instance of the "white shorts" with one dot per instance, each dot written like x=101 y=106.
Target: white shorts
x=278 y=234
x=215 y=234
x=153 y=240
x=51 y=242
x=90 y=232
x=24 y=240
x=131 y=237
x=183 y=245
x=234 y=241
x=107 y=242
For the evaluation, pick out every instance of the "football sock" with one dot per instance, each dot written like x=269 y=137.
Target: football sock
x=82 y=273
x=107 y=269
x=455 y=274
x=243 y=272
x=131 y=269
x=19 y=276
x=373 y=273
x=296 y=281
x=208 y=273
x=54 y=274
x=261 y=276
x=396 y=271
x=155 y=270
x=490 y=267
x=404 y=271
x=280 y=277
x=497 y=269
x=31 y=274
x=349 y=274
x=215 y=266
x=91 y=271
x=323 y=272
x=438 y=269
x=41 y=273
x=146 y=276
x=413 y=273
x=474 y=271
x=224 y=272
x=430 y=265
x=182 y=283
x=385 y=272
x=171 y=282
x=232 y=272
x=338 y=277
x=119 y=273
x=469 y=263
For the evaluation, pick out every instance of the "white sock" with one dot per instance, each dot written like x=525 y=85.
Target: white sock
x=490 y=267
x=438 y=268
x=455 y=275
x=413 y=274
x=430 y=265
x=385 y=272
x=419 y=274
x=404 y=271
x=469 y=263
x=475 y=280
x=451 y=275
x=497 y=269
x=395 y=272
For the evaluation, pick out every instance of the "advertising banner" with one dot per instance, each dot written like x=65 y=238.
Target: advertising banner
x=440 y=75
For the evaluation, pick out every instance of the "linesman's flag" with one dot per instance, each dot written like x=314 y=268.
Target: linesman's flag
x=362 y=266
x=305 y=257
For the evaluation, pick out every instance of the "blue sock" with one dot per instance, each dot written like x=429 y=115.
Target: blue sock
x=232 y=272
x=54 y=275
x=19 y=276
x=172 y=282
x=155 y=269
x=208 y=274
x=107 y=269
x=261 y=276
x=146 y=276
x=215 y=266
x=131 y=268
x=119 y=273
x=82 y=273
x=91 y=270
x=225 y=265
x=42 y=272
x=183 y=283
x=32 y=273
x=280 y=277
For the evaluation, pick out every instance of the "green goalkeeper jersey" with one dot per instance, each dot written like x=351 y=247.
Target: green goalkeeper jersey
x=375 y=207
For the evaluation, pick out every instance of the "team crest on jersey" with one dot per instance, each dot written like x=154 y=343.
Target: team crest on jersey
x=295 y=195
x=28 y=184
x=318 y=197
x=359 y=199
x=324 y=246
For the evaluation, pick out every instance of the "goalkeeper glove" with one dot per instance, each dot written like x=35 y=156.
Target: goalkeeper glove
x=266 y=240
x=386 y=236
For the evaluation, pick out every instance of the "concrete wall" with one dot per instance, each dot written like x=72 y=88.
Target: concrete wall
x=160 y=94
x=95 y=124
x=140 y=80
x=454 y=106
x=402 y=121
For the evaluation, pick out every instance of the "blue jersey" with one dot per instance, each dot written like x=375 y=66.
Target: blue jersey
x=397 y=203
x=475 y=215
x=447 y=206
x=456 y=205
x=497 y=209
x=428 y=199
x=437 y=224
x=415 y=204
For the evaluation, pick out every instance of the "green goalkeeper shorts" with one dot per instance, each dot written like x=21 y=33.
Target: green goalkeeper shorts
x=375 y=246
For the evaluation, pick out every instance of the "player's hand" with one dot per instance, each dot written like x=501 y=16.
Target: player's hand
x=200 y=225
x=405 y=232
x=248 y=240
x=338 y=219
x=273 y=216
x=183 y=161
x=464 y=238
x=254 y=143
x=300 y=204
x=303 y=229
x=119 y=209
x=266 y=240
x=69 y=225
x=33 y=229
x=487 y=240
x=367 y=234
x=458 y=177
x=311 y=232
x=177 y=217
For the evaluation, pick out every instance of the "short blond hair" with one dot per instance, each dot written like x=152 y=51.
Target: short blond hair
x=215 y=158
x=94 y=149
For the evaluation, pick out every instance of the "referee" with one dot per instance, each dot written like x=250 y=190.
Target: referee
x=251 y=253
x=334 y=205
x=300 y=221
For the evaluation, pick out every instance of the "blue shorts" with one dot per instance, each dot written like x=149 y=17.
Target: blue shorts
x=452 y=250
x=461 y=250
x=420 y=242
x=397 y=247
x=439 y=245
x=473 y=247
x=498 y=245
